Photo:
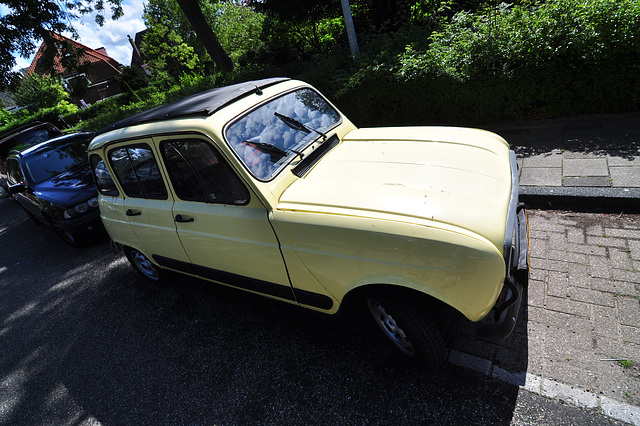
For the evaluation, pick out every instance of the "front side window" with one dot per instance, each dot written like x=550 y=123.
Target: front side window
x=270 y=136
x=137 y=171
x=199 y=173
x=102 y=176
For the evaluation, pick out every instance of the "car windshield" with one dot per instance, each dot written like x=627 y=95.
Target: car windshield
x=50 y=162
x=270 y=136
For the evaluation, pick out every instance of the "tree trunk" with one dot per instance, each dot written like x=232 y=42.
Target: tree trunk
x=193 y=12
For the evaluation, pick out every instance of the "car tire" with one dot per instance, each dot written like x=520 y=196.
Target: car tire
x=145 y=267
x=414 y=335
x=67 y=236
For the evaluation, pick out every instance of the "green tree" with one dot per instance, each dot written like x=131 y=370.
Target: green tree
x=36 y=92
x=168 y=55
x=29 y=22
x=237 y=26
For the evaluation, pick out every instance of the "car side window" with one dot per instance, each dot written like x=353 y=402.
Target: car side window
x=199 y=173
x=14 y=173
x=102 y=176
x=137 y=171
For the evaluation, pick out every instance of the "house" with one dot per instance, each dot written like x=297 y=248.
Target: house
x=95 y=73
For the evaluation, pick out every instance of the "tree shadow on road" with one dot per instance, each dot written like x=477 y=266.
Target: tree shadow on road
x=86 y=339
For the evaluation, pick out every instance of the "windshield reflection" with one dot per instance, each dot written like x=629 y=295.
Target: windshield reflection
x=256 y=136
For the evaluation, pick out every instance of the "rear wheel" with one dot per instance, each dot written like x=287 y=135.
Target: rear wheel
x=145 y=267
x=412 y=333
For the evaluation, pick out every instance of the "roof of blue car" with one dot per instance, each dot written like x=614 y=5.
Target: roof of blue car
x=203 y=104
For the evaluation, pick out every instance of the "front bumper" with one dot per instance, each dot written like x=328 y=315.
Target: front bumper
x=83 y=227
x=516 y=252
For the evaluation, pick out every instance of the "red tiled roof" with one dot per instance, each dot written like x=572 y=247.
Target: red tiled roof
x=102 y=66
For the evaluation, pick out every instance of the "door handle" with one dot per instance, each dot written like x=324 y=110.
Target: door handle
x=130 y=212
x=182 y=219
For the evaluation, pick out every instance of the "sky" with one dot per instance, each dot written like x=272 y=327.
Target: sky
x=112 y=35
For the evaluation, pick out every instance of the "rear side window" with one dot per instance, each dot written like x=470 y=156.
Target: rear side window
x=137 y=171
x=199 y=173
x=102 y=176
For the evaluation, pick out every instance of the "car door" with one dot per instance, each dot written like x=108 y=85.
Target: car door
x=146 y=203
x=222 y=225
x=26 y=198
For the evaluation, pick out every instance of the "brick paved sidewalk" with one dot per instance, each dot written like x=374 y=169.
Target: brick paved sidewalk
x=582 y=312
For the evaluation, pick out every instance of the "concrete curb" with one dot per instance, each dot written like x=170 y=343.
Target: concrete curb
x=551 y=389
x=587 y=199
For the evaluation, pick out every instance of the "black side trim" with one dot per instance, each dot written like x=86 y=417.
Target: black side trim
x=283 y=292
x=174 y=264
x=246 y=283
x=313 y=299
x=307 y=163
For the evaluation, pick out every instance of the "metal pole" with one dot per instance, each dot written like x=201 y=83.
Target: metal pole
x=351 y=31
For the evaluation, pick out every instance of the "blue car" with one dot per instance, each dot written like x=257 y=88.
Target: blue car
x=52 y=182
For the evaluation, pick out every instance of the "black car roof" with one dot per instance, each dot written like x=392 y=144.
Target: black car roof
x=60 y=140
x=204 y=103
x=33 y=125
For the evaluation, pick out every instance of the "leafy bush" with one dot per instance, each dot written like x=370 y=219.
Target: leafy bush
x=556 y=58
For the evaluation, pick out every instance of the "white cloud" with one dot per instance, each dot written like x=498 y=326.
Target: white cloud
x=112 y=35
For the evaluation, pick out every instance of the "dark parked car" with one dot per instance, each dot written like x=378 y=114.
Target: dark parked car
x=52 y=182
x=21 y=138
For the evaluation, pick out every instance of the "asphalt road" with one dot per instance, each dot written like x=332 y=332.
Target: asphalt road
x=85 y=340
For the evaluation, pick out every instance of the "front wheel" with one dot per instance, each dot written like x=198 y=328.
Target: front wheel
x=145 y=267
x=67 y=236
x=413 y=334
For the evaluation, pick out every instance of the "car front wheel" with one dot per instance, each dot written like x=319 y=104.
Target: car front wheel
x=413 y=334
x=145 y=267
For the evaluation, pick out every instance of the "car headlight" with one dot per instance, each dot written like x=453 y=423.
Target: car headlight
x=81 y=208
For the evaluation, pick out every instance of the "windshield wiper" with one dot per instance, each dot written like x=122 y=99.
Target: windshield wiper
x=270 y=148
x=296 y=125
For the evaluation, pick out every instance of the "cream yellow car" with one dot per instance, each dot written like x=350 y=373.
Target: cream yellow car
x=265 y=186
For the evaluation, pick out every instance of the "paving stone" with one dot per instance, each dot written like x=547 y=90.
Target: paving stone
x=541 y=176
x=558 y=284
x=582 y=155
x=630 y=334
x=593 y=297
x=622 y=233
x=579 y=275
x=629 y=308
x=567 y=256
x=612 y=286
x=585 y=167
x=625 y=177
x=620 y=259
x=627 y=275
x=536 y=293
x=605 y=321
x=599 y=267
x=606 y=241
x=587 y=249
x=620 y=158
x=568 y=306
x=546 y=159
x=557 y=265
x=576 y=235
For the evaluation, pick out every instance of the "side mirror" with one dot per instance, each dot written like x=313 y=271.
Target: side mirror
x=17 y=188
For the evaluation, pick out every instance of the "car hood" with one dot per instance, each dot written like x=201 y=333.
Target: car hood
x=68 y=188
x=455 y=176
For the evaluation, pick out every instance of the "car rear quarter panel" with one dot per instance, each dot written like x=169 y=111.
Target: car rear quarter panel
x=345 y=252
